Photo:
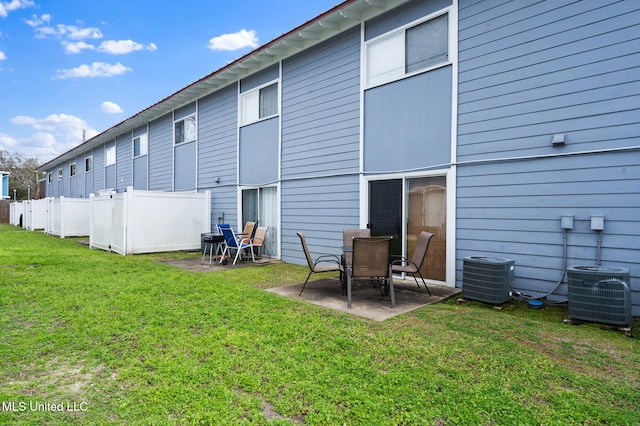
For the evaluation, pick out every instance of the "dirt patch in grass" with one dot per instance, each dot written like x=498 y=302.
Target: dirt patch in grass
x=270 y=412
x=58 y=379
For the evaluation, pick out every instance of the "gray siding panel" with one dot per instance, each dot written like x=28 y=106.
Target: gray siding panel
x=217 y=137
x=185 y=166
x=80 y=180
x=184 y=111
x=321 y=209
x=110 y=177
x=260 y=78
x=217 y=152
x=140 y=173
x=320 y=108
x=527 y=72
x=407 y=124
x=98 y=169
x=124 y=161
x=551 y=67
x=513 y=210
x=259 y=152
x=161 y=154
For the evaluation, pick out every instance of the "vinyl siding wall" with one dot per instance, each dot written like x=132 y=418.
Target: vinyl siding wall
x=320 y=138
x=80 y=180
x=217 y=151
x=98 y=169
x=529 y=71
x=321 y=208
x=161 y=154
x=124 y=161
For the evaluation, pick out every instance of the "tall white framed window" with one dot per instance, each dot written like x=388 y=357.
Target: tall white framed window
x=49 y=177
x=140 y=145
x=88 y=164
x=110 y=156
x=60 y=173
x=408 y=50
x=72 y=169
x=259 y=103
x=185 y=130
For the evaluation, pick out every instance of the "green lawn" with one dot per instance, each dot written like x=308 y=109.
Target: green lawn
x=127 y=340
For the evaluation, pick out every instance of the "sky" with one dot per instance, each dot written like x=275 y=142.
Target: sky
x=74 y=67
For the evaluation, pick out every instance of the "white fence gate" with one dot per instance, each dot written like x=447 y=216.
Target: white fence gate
x=35 y=214
x=148 y=221
x=67 y=217
x=16 y=214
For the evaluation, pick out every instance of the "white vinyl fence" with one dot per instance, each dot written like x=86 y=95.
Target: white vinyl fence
x=148 y=221
x=16 y=214
x=35 y=214
x=67 y=217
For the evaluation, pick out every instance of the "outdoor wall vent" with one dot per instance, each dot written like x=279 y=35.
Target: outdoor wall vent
x=487 y=279
x=559 y=139
x=599 y=294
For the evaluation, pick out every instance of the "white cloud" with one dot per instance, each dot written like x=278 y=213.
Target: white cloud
x=77 y=47
x=110 y=107
x=53 y=135
x=36 y=22
x=10 y=6
x=2 y=56
x=7 y=142
x=122 y=47
x=235 y=41
x=68 y=31
x=96 y=69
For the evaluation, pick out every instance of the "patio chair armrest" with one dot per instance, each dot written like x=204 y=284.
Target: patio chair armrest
x=401 y=261
x=328 y=258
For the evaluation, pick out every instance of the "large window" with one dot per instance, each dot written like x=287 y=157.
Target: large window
x=259 y=104
x=140 y=145
x=110 y=156
x=407 y=51
x=185 y=130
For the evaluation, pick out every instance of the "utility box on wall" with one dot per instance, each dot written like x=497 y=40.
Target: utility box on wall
x=487 y=279
x=600 y=294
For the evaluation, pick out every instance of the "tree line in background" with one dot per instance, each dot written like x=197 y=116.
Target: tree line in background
x=24 y=174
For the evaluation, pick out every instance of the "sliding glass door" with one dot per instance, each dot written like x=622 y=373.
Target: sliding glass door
x=260 y=205
x=405 y=207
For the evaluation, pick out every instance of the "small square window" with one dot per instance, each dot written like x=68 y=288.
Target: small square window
x=185 y=130
x=407 y=51
x=140 y=145
x=110 y=156
x=259 y=104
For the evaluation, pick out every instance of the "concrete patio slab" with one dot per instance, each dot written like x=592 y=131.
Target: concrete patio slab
x=367 y=302
x=194 y=265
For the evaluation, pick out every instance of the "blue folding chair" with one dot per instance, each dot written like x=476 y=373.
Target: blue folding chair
x=233 y=243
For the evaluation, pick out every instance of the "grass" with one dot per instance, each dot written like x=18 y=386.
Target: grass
x=131 y=341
